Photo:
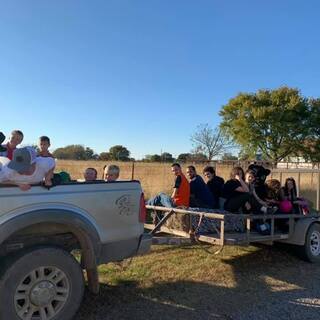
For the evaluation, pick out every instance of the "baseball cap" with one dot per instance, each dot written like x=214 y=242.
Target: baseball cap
x=2 y=137
x=23 y=158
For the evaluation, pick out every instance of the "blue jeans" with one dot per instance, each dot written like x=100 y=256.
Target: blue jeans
x=162 y=200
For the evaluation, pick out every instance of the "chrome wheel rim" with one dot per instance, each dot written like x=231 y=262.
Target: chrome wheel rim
x=41 y=294
x=315 y=243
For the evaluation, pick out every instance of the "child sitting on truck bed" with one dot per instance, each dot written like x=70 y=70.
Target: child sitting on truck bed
x=44 y=145
x=26 y=168
x=111 y=173
x=8 y=149
x=90 y=174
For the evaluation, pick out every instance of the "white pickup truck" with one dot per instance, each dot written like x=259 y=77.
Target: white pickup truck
x=40 y=278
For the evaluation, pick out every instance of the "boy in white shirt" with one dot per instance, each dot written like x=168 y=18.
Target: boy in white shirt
x=26 y=168
x=111 y=172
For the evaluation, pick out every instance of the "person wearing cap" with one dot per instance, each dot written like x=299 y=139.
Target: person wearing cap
x=15 y=139
x=26 y=169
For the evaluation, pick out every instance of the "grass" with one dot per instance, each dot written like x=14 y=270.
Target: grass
x=189 y=283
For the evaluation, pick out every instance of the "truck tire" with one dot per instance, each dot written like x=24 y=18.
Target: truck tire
x=310 y=251
x=43 y=283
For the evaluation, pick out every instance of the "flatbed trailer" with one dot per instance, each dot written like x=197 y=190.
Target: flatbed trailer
x=303 y=231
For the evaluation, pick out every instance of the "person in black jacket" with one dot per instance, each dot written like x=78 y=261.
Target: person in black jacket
x=214 y=183
x=200 y=195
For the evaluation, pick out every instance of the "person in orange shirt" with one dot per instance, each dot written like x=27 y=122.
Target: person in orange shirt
x=181 y=191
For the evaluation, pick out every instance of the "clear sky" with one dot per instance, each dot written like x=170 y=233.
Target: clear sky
x=145 y=73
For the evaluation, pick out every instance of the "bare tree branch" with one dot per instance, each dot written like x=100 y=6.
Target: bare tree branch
x=211 y=142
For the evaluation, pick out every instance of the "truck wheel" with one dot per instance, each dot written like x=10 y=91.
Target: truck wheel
x=41 y=284
x=311 y=249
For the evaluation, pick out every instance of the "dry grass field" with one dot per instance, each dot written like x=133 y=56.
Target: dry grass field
x=157 y=177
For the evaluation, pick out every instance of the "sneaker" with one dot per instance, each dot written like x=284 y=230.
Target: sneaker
x=264 y=228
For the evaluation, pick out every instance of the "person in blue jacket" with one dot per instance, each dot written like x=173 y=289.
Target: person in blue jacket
x=200 y=195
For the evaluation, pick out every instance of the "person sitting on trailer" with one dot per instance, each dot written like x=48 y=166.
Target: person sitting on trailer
x=242 y=195
x=256 y=201
x=236 y=192
x=299 y=205
x=200 y=195
x=181 y=191
x=215 y=184
x=260 y=175
x=275 y=193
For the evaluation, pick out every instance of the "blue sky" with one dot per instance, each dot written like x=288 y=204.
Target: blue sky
x=145 y=73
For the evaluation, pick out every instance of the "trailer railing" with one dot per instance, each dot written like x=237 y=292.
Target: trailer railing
x=221 y=237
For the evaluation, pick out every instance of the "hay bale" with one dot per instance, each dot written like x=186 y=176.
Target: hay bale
x=179 y=222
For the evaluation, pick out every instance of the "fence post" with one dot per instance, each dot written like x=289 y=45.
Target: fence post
x=318 y=192
x=298 y=184
x=132 y=171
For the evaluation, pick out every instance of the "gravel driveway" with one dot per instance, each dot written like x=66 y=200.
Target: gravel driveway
x=270 y=284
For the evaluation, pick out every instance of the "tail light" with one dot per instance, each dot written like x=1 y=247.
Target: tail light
x=143 y=210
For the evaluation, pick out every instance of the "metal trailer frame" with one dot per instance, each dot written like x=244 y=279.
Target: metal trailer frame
x=298 y=227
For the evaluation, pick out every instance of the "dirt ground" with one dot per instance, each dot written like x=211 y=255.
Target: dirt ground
x=188 y=283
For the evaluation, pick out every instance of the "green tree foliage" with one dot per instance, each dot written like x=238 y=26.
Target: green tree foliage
x=273 y=122
x=210 y=142
x=105 y=156
x=311 y=147
x=229 y=156
x=152 y=158
x=74 y=152
x=184 y=157
x=198 y=157
x=119 y=153
x=89 y=153
x=166 y=157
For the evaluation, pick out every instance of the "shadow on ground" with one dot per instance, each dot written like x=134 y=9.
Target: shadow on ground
x=270 y=284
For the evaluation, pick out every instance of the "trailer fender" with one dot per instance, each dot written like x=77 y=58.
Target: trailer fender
x=300 y=230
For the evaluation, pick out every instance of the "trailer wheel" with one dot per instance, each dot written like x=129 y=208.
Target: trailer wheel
x=41 y=284
x=310 y=251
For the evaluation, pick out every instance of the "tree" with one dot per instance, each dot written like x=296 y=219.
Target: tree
x=74 y=152
x=119 y=152
x=166 y=157
x=311 y=147
x=229 y=156
x=272 y=122
x=152 y=158
x=198 y=157
x=105 y=156
x=184 y=157
x=210 y=142
x=89 y=153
